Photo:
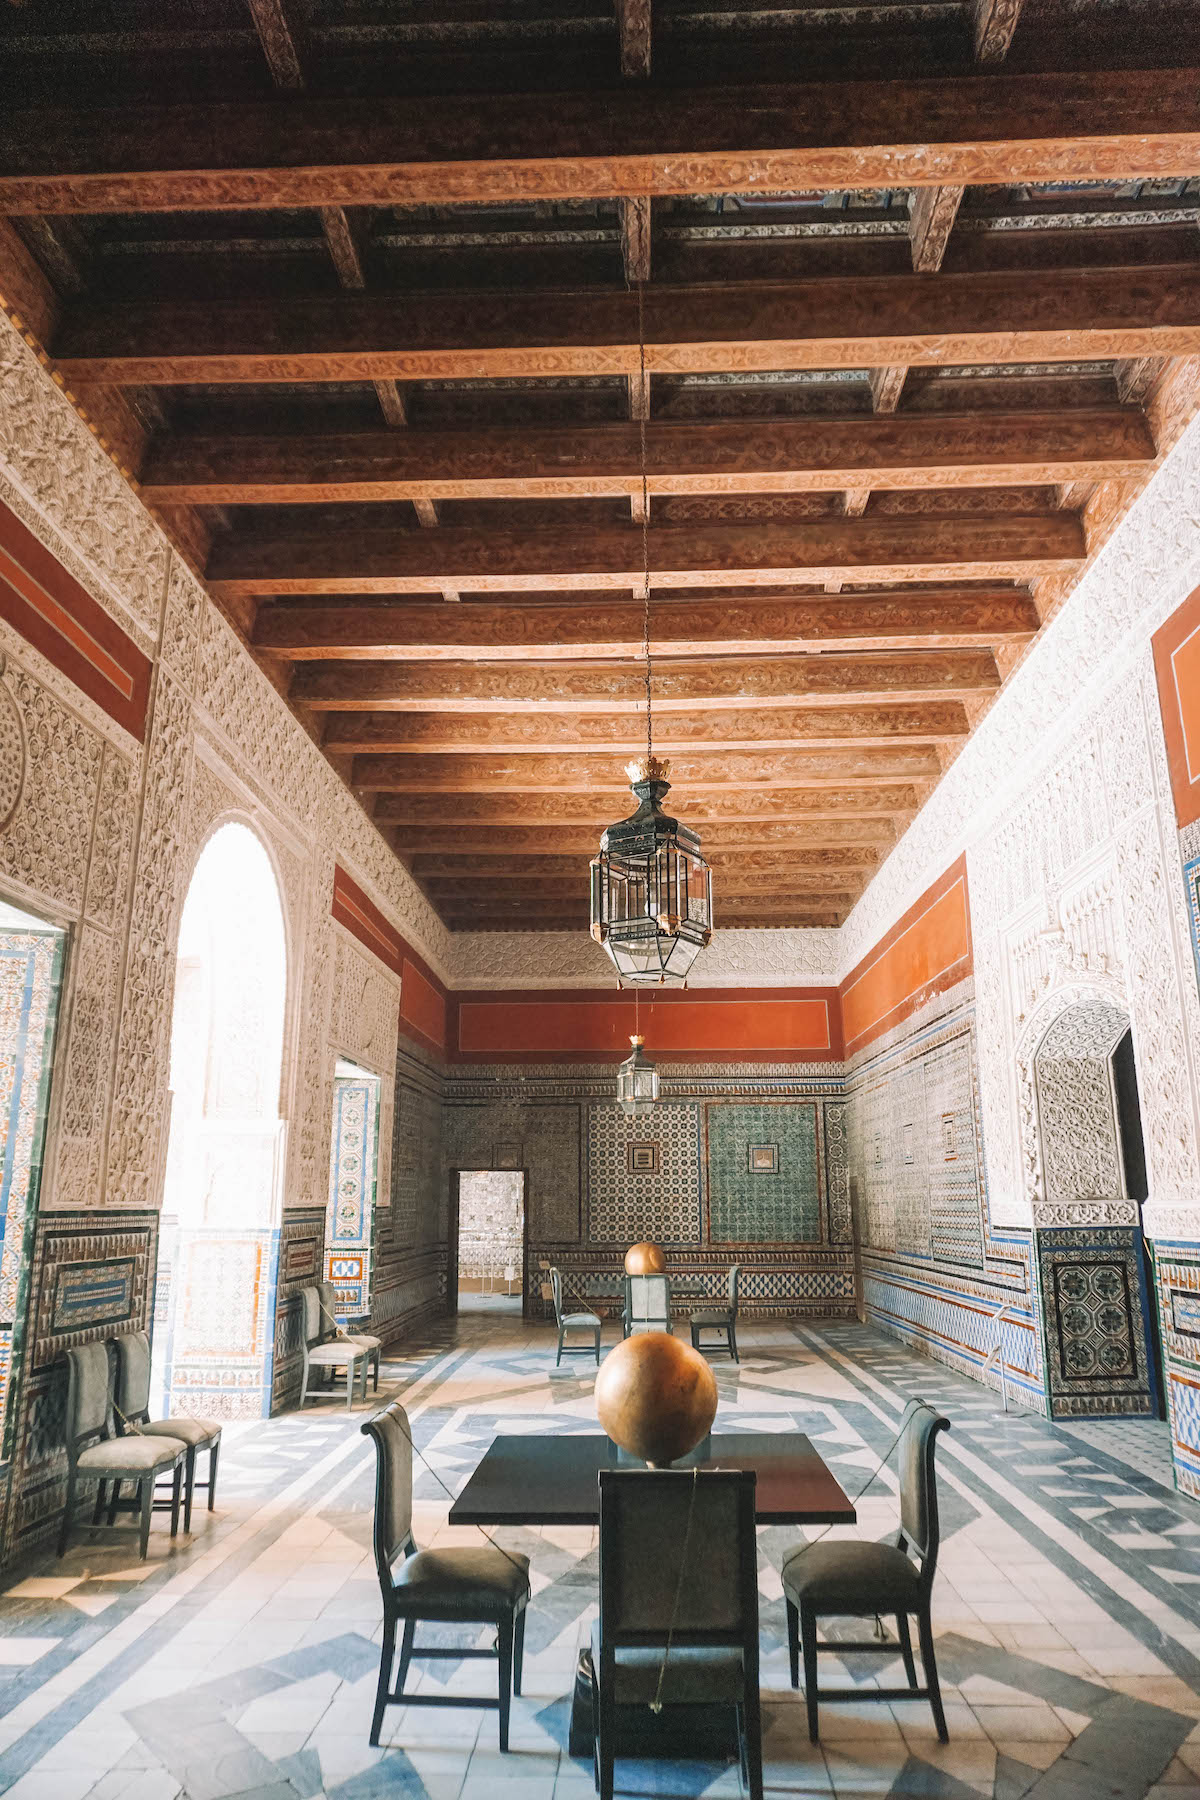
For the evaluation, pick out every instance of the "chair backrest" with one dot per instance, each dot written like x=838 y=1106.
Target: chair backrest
x=556 y=1288
x=677 y=1546
x=649 y=1299
x=329 y=1319
x=393 y=1487
x=132 y=1390
x=735 y=1275
x=310 y=1300
x=918 y=1483
x=88 y=1395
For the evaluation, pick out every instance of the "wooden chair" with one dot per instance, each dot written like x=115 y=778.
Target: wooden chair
x=678 y=1567
x=324 y=1350
x=94 y=1454
x=581 y=1324
x=716 y=1318
x=132 y=1407
x=483 y=1586
x=332 y=1325
x=865 y=1580
x=647 y=1303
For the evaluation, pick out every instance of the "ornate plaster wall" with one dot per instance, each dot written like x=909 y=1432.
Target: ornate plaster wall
x=100 y=831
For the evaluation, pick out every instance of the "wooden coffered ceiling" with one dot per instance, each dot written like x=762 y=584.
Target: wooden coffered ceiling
x=349 y=288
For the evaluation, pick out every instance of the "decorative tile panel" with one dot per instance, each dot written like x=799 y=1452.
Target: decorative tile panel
x=1096 y=1328
x=779 y=1202
x=664 y=1204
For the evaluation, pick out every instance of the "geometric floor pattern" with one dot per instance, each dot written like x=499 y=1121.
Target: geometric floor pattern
x=243 y=1661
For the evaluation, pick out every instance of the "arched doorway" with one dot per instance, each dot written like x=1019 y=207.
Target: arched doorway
x=1087 y=1160
x=215 y=1304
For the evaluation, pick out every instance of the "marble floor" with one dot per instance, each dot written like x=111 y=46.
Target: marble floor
x=243 y=1661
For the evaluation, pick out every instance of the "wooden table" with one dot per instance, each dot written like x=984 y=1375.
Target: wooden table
x=525 y=1480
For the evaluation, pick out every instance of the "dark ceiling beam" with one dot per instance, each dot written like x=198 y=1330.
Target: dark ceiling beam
x=635 y=238
x=866 y=322
x=279 y=44
x=308 y=152
x=489 y=688
x=379 y=560
x=507 y=864
x=797 y=841
x=634 y=32
x=596 y=628
x=766 y=728
x=581 y=772
x=727 y=456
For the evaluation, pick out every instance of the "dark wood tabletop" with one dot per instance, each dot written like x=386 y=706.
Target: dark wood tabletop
x=525 y=1480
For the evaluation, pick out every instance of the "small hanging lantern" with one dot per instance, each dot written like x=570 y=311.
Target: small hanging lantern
x=637 y=1083
x=651 y=888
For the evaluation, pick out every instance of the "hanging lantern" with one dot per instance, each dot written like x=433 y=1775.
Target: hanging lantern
x=651 y=888
x=637 y=1083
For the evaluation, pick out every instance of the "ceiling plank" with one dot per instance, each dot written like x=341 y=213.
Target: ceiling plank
x=599 y=628
x=414 y=150
x=582 y=772
x=382 y=560
x=529 y=733
x=464 y=688
x=868 y=322
x=727 y=456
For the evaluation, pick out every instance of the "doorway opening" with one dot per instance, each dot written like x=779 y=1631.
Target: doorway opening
x=491 y=1241
x=353 y=1178
x=32 y=953
x=215 y=1299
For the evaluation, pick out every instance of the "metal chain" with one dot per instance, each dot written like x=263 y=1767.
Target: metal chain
x=643 y=409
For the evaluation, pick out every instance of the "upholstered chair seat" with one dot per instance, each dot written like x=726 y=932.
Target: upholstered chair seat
x=864 y=1578
x=131 y=1456
x=714 y=1317
x=194 y=1432
x=459 y=1582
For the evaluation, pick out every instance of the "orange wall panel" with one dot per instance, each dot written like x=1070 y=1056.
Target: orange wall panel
x=1177 y=667
x=927 y=951
x=796 y=1025
x=422 y=1005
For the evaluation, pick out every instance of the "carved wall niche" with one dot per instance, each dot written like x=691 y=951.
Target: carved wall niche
x=1070 y=1137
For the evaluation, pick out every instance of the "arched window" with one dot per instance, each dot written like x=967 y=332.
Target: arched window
x=215 y=1300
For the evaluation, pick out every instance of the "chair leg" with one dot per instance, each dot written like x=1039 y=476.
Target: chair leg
x=375 y=1361
x=903 y=1633
x=145 y=1493
x=112 y=1502
x=752 y=1734
x=505 y=1648
x=189 y=1487
x=386 y=1658
x=64 y=1530
x=407 y=1639
x=184 y=1471
x=733 y=1349
x=808 y=1634
x=597 y=1349
x=518 y=1651
x=793 y=1637
x=213 y=1455
x=606 y=1720
x=351 y=1383
x=558 y=1358
x=101 y=1497
x=925 y=1628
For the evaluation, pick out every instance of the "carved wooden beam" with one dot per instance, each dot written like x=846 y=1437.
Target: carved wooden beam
x=747 y=815
x=766 y=728
x=886 y=386
x=829 y=887
x=505 y=865
x=932 y=213
x=580 y=772
x=312 y=152
x=379 y=560
x=867 y=322
x=635 y=238
x=729 y=456
x=278 y=42
x=694 y=685
x=868 y=838
x=634 y=33
x=601 y=629
x=995 y=22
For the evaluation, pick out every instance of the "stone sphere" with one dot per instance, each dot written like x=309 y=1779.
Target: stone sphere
x=645 y=1259
x=656 y=1397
